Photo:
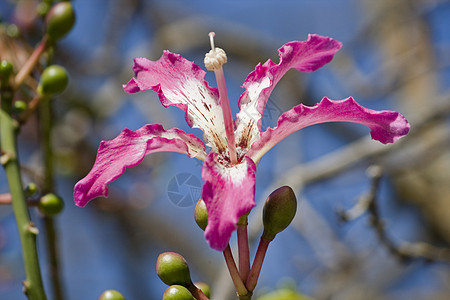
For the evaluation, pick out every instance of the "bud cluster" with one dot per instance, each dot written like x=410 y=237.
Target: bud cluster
x=173 y=270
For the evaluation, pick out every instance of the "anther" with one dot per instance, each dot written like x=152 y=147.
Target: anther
x=216 y=57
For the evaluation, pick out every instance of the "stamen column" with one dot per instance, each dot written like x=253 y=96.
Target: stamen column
x=213 y=62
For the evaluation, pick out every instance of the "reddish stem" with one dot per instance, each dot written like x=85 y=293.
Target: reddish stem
x=244 y=253
x=238 y=283
x=252 y=279
x=5 y=198
x=31 y=62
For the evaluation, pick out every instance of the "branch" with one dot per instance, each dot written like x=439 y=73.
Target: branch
x=403 y=251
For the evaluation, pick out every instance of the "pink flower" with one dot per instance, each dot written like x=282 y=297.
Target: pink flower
x=236 y=145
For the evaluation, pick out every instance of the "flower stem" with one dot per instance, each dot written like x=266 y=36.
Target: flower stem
x=244 y=253
x=252 y=279
x=234 y=273
x=31 y=62
x=196 y=292
x=50 y=231
x=33 y=286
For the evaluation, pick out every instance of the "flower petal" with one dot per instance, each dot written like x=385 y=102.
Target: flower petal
x=385 y=126
x=181 y=83
x=127 y=150
x=228 y=192
x=305 y=56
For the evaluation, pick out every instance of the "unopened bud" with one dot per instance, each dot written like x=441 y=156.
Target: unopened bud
x=201 y=214
x=60 y=20
x=111 y=295
x=279 y=211
x=30 y=189
x=177 y=292
x=19 y=106
x=172 y=269
x=6 y=70
x=54 y=80
x=51 y=204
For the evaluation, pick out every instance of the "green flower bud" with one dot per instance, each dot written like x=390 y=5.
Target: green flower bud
x=177 y=292
x=54 y=80
x=6 y=70
x=43 y=8
x=19 y=106
x=13 y=31
x=206 y=289
x=111 y=295
x=172 y=268
x=201 y=214
x=278 y=211
x=60 y=20
x=51 y=204
x=30 y=189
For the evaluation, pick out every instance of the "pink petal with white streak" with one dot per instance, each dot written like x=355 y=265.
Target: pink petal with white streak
x=385 y=126
x=181 y=83
x=228 y=192
x=305 y=56
x=127 y=150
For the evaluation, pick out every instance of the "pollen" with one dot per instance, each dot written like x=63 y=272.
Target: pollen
x=214 y=59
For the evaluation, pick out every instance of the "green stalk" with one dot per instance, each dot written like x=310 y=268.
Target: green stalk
x=33 y=286
x=49 y=222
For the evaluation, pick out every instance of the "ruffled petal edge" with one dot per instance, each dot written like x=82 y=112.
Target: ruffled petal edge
x=128 y=149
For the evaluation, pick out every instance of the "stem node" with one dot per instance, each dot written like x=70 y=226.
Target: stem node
x=32 y=229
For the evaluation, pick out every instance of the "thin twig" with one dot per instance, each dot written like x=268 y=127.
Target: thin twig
x=405 y=250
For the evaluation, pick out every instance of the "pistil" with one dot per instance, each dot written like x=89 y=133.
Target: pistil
x=213 y=62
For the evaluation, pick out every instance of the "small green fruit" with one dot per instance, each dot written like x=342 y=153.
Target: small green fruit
x=172 y=269
x=30 y=189
x=6 y=70
x=19 y=106
x=201 y=214
x=279 y=211
x=111 y=295
x=54 y=80
x=177 y=292
x=60 y=20
x=51 y=204
x=43 y=8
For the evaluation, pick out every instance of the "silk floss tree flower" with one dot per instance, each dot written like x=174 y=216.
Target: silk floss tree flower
x=236 y=145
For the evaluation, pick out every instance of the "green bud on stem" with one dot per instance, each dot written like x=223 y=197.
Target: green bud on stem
x=54 y=80
x=279 y=211
x=51 y=204
x=111 y=295
x=177 y=292
x=30 y=189
x=19 y=106
x=201 y=214
x=6 y=70
x=60 y=20
x=172 y=269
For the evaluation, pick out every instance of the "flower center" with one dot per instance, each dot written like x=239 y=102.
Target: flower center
x=213 y=62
